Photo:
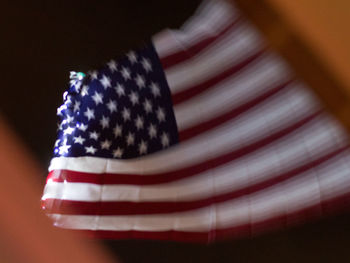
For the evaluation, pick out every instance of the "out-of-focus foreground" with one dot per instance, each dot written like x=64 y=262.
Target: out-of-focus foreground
x=27 y=236
x=314 y=37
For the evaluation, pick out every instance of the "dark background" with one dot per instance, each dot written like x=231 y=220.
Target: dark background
x=41 y=41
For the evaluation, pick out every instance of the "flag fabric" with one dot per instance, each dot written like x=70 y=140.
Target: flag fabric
x=202 y=134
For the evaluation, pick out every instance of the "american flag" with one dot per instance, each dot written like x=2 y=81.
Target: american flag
x=202 y=134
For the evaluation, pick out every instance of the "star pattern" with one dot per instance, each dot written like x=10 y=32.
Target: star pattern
x=106 y=144
x=118 y=152
x=161 y=114
x=98 y=98
x=94 y=74
x=79 y=140
x=147 y=105
x=152 y=131
x=155 y=89
x=134 y=98
x=76 y=106
x=122 y=110
x=112 y=106
x=120 y=90
x=94 y=135
x=106 y=82
x=139 y=122
x=118 y=131
x=126 y=114
x=104 y=122
x=85 y=91
x=140 y=81
x=132 y=57
x=90 y=114
x=146 y=64
x=112 y=65
x=143 y=147
x=90 y=149
x=126 y=73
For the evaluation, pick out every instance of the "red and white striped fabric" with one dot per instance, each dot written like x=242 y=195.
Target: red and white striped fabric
x=256 y=149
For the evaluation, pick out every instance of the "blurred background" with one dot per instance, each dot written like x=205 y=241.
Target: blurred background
x=43 y=40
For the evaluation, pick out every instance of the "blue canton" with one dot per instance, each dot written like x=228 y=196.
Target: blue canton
x=123 y=110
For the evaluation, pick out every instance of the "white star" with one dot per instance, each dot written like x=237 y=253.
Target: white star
x=160 y=114
x=94 y=74
x=81 y=127
x=64 y=149
x=112 y=106
x=104 y=122
x=59 y=111
x=130 y=139
x=147 y=105
x=98 y=98
x=155 y=89
x=126 y=114
x=90 y=149
x=152 y=131
x=118 y=130
x=139 y=122
x=69 y=119
x=76 y=106
x=106 y=144
x=85 y=90
x=94 y=135
x=165 y=139
x=105 y=81
x=112 y=65
x=143 y=147
x=134 y=98
x=120 y=90
x=140 y=81
x=90 y=114
x=77 y=85
x=60 y=125
x=69 y=130
x=132 y=57
x=79 y=140
x=126 y=73
x=146 y=64
x=118 y=153
x=65 y=141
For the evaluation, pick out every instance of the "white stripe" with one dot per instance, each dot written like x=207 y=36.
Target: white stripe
x=254 y=168
x=211 y=18
x=248 y=128
x=237 y=45
x=262 y=75
x=291 y=196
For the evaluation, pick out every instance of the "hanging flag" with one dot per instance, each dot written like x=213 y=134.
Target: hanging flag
x=202 y=134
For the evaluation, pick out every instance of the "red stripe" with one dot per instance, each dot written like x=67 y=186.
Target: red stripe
x=178 y=57
x=137 y=179
x=137 y=208
x=331 y=206
x=189 y=93
x=228 y=116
